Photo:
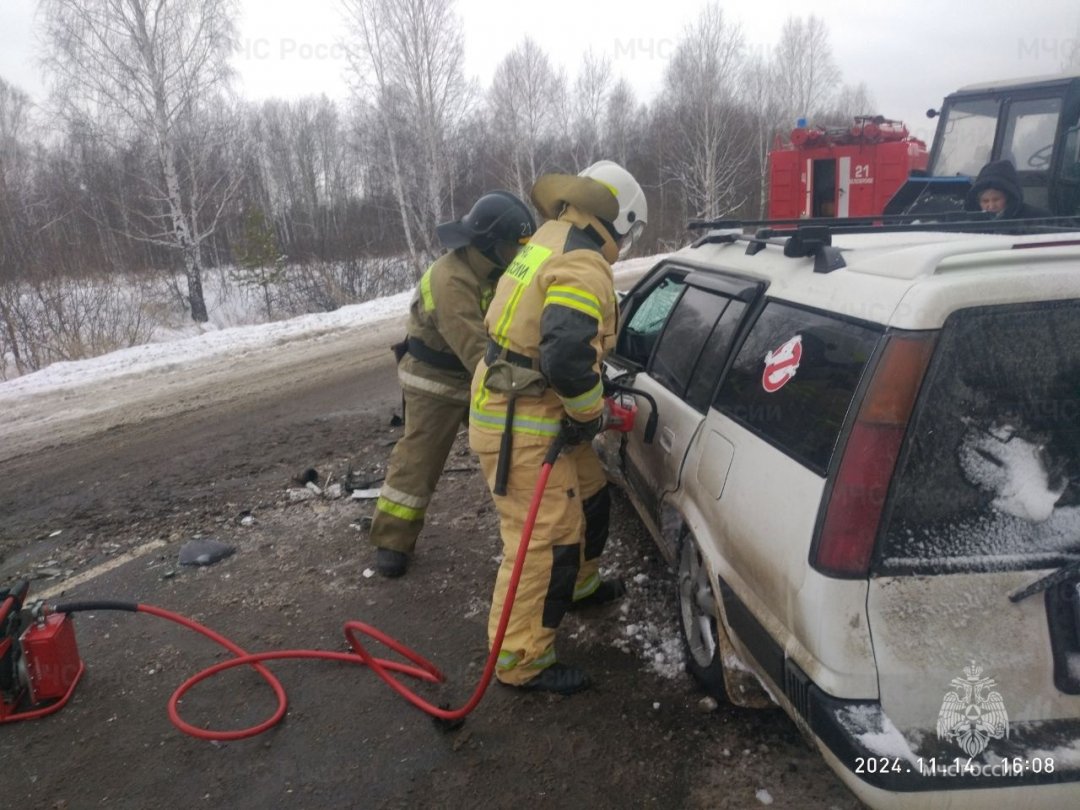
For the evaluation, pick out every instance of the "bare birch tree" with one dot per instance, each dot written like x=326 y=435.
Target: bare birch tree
x=804 y=59
x=620 y=124
x=14 y=109
x=706 y=152
x=151 y=67
x=405 y=62
x=587 y=106
x=848 y=101
x=526 y=97
x=763 y=94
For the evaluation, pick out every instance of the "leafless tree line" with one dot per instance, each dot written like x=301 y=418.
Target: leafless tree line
x=144 y=162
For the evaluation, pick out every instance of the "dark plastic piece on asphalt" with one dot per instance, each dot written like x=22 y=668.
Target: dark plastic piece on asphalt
x=204 y=552
x=308 y=476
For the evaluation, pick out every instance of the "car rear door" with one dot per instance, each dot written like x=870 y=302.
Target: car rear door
x=985 y=501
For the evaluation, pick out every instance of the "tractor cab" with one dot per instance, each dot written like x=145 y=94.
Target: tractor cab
x=1034 y=123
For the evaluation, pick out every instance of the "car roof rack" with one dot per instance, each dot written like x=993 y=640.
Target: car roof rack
x=802 y=238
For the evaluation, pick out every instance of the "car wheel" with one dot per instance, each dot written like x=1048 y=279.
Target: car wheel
x=697 y=619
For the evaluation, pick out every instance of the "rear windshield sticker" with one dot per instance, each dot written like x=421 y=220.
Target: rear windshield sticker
x=781 y=364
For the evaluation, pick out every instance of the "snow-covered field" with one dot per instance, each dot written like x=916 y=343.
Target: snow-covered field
x=236 y=328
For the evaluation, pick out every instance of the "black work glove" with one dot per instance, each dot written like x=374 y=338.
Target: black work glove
x=575 y=432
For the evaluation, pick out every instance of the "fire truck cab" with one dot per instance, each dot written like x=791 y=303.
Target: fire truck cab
x=841 y=172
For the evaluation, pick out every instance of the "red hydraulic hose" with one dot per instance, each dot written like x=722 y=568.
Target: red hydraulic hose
x=423 y=669
x=504 y=618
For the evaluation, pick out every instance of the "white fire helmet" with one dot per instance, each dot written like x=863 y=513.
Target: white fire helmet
x=633 y=210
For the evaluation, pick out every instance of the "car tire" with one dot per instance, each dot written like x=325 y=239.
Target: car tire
x=697 y=619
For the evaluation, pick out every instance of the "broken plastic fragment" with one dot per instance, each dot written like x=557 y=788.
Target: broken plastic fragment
x=204 y=552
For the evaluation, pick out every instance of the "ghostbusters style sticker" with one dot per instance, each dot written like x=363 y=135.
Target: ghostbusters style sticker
x=781 y=364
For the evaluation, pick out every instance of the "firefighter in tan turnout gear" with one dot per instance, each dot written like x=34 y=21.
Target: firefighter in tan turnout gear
x=553 y=319
x=446 y=339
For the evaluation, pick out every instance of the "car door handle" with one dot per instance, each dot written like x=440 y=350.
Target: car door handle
x=667 y=438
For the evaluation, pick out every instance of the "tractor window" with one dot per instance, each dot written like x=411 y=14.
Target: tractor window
x=1029 y=133
x=967 y=137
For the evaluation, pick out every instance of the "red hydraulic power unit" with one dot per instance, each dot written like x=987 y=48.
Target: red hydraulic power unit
x=39 y=665
x=52 y=657
x=848 y=172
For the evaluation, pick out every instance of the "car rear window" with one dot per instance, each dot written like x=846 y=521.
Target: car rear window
x=794 y=377
x=990 y=474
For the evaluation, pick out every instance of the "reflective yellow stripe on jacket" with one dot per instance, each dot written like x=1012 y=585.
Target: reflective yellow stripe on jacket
x=496 y=420
x=426 y=294
x=521 y=269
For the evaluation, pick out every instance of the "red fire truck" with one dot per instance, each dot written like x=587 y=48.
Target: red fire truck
x=843 y=172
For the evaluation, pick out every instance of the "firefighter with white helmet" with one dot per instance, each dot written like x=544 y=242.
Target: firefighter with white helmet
x=553 y=318
x=446 y=339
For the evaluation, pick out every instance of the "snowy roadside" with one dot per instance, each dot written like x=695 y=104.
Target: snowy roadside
x=199 y=344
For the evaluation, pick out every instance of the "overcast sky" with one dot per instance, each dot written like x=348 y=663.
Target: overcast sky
x=910 y=53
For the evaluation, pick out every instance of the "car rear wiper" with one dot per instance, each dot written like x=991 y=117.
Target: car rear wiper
x=1064 y=573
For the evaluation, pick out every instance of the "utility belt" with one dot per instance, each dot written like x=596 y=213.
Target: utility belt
x=514 y=375
x=446 y=361
x=496 y=352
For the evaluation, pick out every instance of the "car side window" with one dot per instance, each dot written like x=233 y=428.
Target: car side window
x=639 y=335
x=794 y=378
x=689 y=327
x=713 y=357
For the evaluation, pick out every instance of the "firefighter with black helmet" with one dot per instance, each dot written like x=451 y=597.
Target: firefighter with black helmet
x=553 y=319
x=446 y=339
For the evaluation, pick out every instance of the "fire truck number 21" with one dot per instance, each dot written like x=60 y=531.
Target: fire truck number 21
x=861 y=173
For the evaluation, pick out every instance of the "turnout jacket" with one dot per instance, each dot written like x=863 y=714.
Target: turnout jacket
x=554 y=312
x=446 y=316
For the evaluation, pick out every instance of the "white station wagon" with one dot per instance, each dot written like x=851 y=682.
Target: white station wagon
x=866 y=467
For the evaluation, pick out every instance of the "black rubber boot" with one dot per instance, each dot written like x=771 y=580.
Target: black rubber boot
x=558 y=678
x=610 y=590
x=390 y=563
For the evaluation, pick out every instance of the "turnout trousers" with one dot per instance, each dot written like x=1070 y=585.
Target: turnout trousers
x=563 y=559
x=416 y=462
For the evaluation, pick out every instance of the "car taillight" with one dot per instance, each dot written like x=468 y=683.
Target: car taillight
x=854 y=509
